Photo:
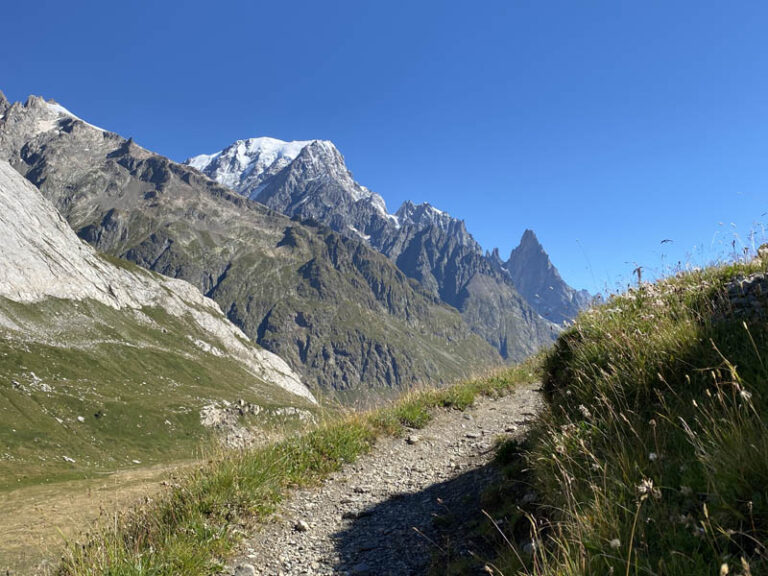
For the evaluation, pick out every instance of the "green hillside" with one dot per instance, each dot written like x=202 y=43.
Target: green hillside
x=653 y=458
x=136 y=379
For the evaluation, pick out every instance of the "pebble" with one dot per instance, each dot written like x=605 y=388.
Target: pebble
x=301 y=526
x=245 y=570
x=361 y=569
x=413 y=439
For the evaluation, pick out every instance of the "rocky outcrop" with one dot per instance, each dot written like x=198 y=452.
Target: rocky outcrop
x=745 y=297
x=338 y=312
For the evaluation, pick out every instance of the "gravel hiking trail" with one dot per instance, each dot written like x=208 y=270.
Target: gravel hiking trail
x=380 y=515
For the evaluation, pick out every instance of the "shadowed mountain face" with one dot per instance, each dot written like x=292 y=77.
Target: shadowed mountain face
x=338 y=312
x=428 y=245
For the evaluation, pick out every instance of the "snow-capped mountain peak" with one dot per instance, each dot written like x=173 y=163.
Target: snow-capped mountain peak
x=244 y=165
x=304 y=177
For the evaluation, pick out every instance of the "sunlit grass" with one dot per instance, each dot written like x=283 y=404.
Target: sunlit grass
x=653 y=457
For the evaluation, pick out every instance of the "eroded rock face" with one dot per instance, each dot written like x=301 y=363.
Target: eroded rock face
x=339 y=313
x=43 y=258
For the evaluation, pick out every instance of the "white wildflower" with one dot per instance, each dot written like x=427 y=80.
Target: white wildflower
x=615 y=544
x=645 y=487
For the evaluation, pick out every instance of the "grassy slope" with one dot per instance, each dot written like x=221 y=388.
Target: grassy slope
x=198 y=521
x=654 y=456
x=137 y=381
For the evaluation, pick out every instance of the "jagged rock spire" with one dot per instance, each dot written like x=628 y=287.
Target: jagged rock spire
x=4 y=104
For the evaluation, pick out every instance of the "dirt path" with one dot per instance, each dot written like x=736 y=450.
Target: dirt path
x=380 y=515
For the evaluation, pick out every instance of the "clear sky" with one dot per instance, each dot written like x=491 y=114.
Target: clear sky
x=605 y=126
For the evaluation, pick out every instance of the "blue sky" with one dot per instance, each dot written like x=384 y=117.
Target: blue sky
x=605 y=126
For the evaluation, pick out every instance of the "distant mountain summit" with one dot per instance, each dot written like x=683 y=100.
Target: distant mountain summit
x=537 y=279
x=426 y=243
x=306 y=179
x=246 y=163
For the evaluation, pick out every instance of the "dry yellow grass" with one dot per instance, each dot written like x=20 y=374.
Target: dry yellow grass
x=37 y=520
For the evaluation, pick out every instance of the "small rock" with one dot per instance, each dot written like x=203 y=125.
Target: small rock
x=528 y=498
x=245 y=570
x=301 y=526
x=361 y=569
x=136 y=461
x=472 y=435
x=68 y=459
x=413 y=439
x=80 y=419
x=468 y=416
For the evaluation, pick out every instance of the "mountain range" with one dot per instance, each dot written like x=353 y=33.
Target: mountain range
x=515 y=305
x=306 y=261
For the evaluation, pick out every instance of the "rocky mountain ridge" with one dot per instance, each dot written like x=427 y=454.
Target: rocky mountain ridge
x=426 y=243
x=338 y=312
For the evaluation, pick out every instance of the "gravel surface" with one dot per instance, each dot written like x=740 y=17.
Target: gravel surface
x=381 y=514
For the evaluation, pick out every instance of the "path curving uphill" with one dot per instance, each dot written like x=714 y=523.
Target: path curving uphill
x=380 y=515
